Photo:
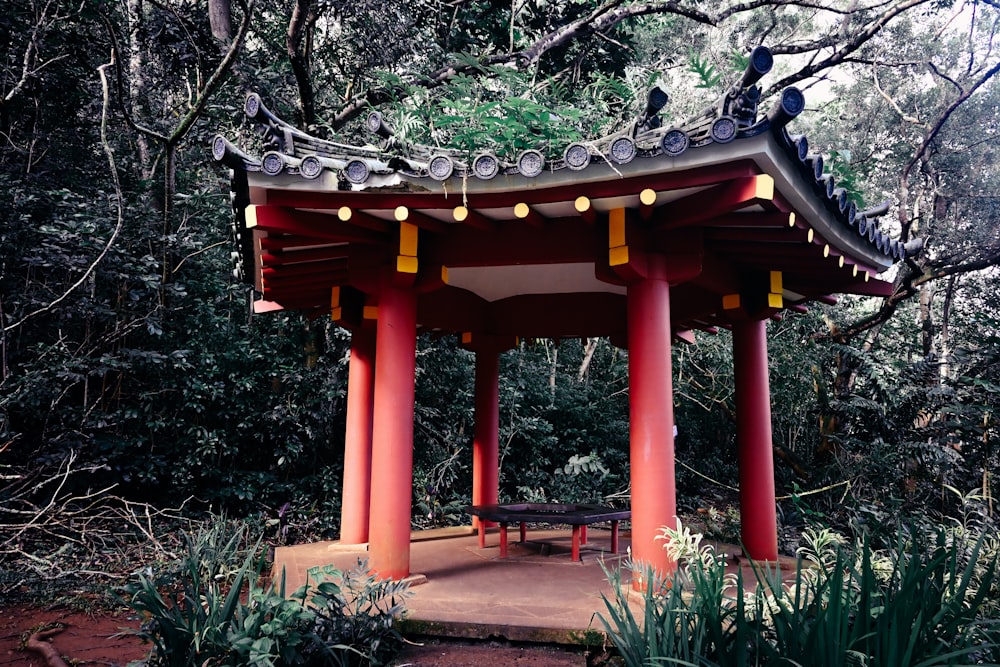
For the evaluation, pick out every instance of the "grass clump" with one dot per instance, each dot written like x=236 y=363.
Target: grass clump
x=925 y=601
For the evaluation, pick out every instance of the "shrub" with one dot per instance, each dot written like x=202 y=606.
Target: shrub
x=211 y=609
x=921 y=603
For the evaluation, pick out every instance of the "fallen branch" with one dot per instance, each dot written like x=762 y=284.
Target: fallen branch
x=36 y=642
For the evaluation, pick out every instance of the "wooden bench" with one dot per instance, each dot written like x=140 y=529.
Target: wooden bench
x=577 y=516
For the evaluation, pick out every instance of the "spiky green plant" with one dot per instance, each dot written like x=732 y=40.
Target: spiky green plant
x=839 y=609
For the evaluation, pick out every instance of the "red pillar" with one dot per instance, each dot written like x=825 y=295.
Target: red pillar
x=758 y=520
x=651 y=415
x=358 y=438
x=392 y=433
x=486 y=441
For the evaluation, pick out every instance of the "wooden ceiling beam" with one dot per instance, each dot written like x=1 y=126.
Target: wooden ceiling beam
x=312 y=256
x=716 y=201
x=308 y=224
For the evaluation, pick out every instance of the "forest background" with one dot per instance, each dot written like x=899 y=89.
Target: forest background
x=137 y=389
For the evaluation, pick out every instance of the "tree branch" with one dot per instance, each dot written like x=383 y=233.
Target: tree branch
x=215 y=80
x=119 y=205
x=909 y=286
x=841 y=54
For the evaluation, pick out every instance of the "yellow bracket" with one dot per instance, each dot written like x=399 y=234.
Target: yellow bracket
x=774 y=297
x=731 y=301
x=617 y=246
x=406 y=261
x=336 y=312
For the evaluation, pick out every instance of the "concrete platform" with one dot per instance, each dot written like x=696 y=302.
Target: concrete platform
x=537 y=594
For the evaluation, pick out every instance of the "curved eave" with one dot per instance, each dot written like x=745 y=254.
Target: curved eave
x=607 y=186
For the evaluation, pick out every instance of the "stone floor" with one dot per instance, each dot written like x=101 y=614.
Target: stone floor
x=536 y=594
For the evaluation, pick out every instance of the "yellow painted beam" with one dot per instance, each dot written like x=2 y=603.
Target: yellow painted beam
x=775 y=300
x=370 y=313
x=776 y=282
x=616 y=228
x=618 y=256
x=764 y=187
x=406 y=264
x=731 y=301
x=408 y=233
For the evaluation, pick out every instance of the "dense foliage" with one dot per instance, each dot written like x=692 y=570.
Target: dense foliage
x=927 y=599
x=130 y=364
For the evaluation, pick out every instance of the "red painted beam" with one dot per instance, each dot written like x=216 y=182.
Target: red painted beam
x=285 y=257
x=291 y=243
x=716 y=201
x=753 y=219
x=307 y=269
x=756 y=235
x=308 y=224
x=559 y=241
x=559 y=315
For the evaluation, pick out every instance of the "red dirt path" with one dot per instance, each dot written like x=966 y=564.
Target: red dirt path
x=97 y=639
x=89 y=639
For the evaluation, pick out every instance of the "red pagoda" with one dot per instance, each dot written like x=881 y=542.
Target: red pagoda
x=643 y=236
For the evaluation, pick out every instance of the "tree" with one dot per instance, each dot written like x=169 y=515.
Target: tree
x=124 y=343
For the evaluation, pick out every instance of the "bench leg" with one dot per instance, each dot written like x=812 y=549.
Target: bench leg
x=482 y=534
x=576 y=543
x=524 y=532
x=503 y=540
x=583 y=534
x=614 y=537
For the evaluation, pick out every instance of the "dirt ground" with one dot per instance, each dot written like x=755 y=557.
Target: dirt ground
x=88 y=639
x=98 y=639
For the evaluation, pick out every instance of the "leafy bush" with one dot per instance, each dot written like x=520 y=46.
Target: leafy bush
x=207 y=611
x=925 y=602
x=354 y=611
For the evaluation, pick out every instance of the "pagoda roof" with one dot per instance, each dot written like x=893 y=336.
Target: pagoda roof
x=527 y=246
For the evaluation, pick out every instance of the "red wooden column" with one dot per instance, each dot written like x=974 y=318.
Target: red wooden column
x=651 y=414
x=486 y=440
x=758 y=520
x=358 y=438
x=392 y=433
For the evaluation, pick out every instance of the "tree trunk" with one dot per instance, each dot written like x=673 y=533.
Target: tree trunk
x=138 y=86
x=926 y=321
x=298 y=42
x=945 y=329
x=220 y=17
x=588 y=354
